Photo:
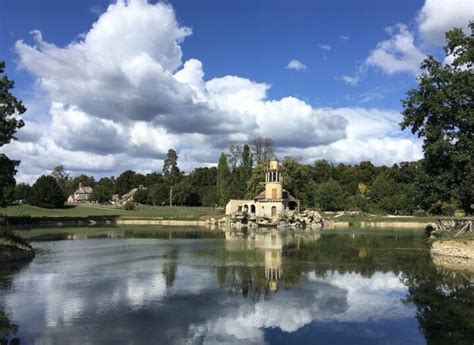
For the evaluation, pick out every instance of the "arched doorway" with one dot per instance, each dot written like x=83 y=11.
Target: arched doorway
x=252 y=208
x=274 y=211
x=246 y=208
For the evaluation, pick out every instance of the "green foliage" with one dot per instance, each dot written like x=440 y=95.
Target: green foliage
x=382 y=188
x=328 y=196
x=7 y=179
x=141 y=196
x=10 y=106
x=125 y=182
x=101 y=194
x=297 y=180
x=170 y=167
x=441 y=111
x=23 y=192
x=129 y=206
x=223 y=180
x=254 y=183
x=209 y=196
x=356 y=203
x=158 y=194
x=46 y=193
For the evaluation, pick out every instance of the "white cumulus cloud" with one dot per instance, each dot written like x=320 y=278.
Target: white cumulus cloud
x=439 y=16
x=121 y=95
x=397 y=54
x=296 y=65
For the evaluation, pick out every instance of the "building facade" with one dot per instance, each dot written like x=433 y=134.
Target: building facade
x=270 y=203
x=81 y=195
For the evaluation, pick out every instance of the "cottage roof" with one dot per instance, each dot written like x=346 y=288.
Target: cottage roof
x=83 y=189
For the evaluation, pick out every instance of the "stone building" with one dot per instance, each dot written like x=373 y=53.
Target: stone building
x=272 y=201
x=81 y=195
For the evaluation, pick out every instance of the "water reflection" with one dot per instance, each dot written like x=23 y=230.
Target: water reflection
x=138 y=285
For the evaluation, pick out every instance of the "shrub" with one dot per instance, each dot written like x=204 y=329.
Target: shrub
x=129 y=206
x=419 y=213
x=46 y=193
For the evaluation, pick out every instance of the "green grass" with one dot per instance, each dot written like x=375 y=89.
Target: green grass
x=449 y=236
x=142 y=212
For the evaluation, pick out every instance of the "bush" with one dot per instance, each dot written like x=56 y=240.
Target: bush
x=328 y=196
x=46 y=193
x=419 y=213
x=129 y=206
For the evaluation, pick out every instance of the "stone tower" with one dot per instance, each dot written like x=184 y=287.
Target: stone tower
x=273 y=181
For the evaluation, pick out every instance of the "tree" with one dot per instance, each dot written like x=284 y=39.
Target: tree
x=141 y=196
x=382 y=188
x=46 y=193
x=322 y=171
x=60 y=174
x=223 y=180
x=158 y=194
x=441 y=111
x=257 y=178
x=125 y=182
x=10 y=108
x=23 y=192
x=62 y=178
x=234 y=156
x=297 y=180
x=170 y=166
x=329 y=196
x=103 y=191
x=246 y=158
x=262 y=149
x=7 y=179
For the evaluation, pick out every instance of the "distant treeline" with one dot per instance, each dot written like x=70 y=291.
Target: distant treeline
x=399 y=189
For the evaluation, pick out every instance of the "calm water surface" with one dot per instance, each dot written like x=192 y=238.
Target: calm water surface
x=168 y=286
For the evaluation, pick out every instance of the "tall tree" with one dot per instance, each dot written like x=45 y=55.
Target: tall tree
x=170 y=166
x=10 y=108
x=246 y=161
x=223 y=180
x=441 y=111
x=62 y=178
x=255 y=183
x=262 y=149
x=125 y=182
x=297 y=180
x=46 y=193
x=171 y=172
x=234 y=156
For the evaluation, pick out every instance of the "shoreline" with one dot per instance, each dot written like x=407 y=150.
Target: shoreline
x=16 y=221
x=453 y=254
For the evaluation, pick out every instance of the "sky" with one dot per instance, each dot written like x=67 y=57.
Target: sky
x=112 y=85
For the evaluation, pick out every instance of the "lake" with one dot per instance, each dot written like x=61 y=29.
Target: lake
x=150 y=285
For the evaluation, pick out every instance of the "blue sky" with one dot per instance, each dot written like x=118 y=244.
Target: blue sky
x=354 y=62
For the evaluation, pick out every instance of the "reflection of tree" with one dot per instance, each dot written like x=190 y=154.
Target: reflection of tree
x=445 y=305
x=7 y=330
x=170 y=266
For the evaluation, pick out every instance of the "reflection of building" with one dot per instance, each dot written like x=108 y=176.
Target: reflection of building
x=272 y=244
x=272 y=201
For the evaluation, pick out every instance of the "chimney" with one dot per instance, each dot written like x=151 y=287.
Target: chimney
x=80 y=185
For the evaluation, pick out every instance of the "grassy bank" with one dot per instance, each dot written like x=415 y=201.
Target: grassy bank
x=141 y=212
